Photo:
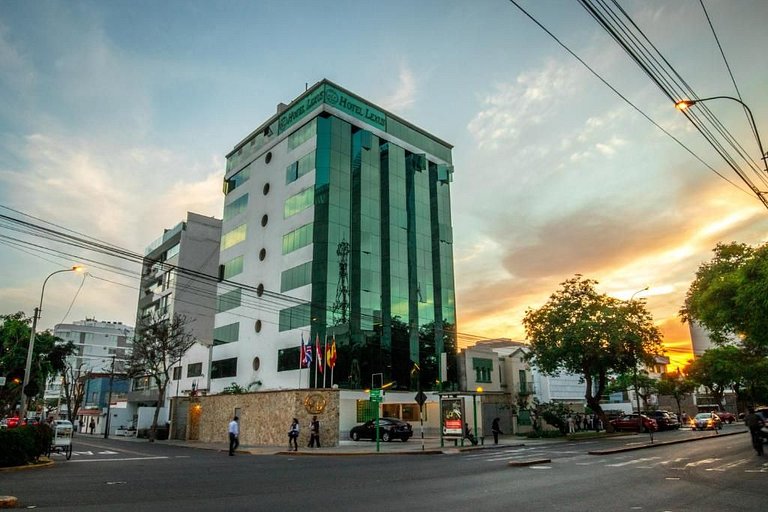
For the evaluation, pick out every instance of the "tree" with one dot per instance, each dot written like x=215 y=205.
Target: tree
x=729 y=296
x=717 y=369
x=641 y=382
x=677 y=386
x=73 y=388
x=159 y=346
x=49 y=356
x=590 y=334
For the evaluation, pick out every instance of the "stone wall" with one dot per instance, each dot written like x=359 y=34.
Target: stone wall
x=265 y=416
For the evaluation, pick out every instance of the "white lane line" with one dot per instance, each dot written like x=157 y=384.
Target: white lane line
x=633 y=461
x=118 y=460
x=679 y=459
x=700 y=462
x=728 y=466
x=540 y=467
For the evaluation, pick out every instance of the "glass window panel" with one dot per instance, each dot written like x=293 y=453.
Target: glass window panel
x=233 y=267
x=294 y=317
x=233 y=237
x=229 y=300
x=224 y=368
x=236 y=207
x=297 y=238
x=238 y=179
x=226 y=334
x=299 y=202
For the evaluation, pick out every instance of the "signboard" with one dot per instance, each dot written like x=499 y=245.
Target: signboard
x=452 y=417
x=375 y=395
x=2 y=381
x=420 y=398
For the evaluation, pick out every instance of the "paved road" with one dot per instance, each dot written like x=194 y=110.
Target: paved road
x=719 y=473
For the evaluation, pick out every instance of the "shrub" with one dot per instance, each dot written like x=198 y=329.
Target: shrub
x=22 y=445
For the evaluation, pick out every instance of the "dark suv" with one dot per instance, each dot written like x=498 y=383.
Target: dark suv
x=665 y=420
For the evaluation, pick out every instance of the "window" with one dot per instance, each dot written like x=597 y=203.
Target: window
x=483 y=368
x=299 y=202
x=177 y=373
x=237 y=180
x=224 y=368
x=411 y=412
x=226 y=334
x=233 y=237
x=300 y=167
x=194 y=370
x=302 y=135
x=233 y=267
x=297 y=238
x=299 y=275
x=236 y=207
x=288 y=359
x=262 y=254
x=294 y=317
x=229 y=300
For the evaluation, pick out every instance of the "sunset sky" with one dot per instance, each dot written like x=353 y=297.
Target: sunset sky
x=116 y=116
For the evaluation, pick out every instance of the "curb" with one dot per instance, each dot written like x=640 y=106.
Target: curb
x=527 y=462
x=665 y=443
x=13 y=469
x=358 y=454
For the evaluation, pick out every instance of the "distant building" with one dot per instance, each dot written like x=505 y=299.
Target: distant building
x=179 y=274
x=97 y=345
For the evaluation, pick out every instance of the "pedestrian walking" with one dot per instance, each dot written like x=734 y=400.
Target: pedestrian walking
x=314 y=432
x=755 y=424
x=496 y=430
x=234 y=435
x=571 y=425
x=293 y=435
x=81 y=426
x=92 y=426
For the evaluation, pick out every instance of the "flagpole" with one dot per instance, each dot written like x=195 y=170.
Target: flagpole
x=301 y=358
x=325 y=357
x=317 y=342
x=333 y=349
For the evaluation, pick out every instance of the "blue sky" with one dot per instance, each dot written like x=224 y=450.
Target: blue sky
x=116 y=117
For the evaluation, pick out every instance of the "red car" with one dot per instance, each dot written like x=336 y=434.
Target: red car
x=631 y=422
x=726 y=416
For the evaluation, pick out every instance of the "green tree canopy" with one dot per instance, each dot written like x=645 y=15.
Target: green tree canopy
x=49 y=357
x=676 y=385
x=590 y=334
x=729 y=296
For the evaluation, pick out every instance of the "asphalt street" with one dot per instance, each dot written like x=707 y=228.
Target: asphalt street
x=720 y=472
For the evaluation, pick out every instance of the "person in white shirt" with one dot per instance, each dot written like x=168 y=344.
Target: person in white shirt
x=234 y=435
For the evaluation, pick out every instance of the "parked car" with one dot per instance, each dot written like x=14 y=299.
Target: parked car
x=631 y=422
x=12 y=422
x=664 y=419
x=389 y=429
x=706 y=421
x=726 y=416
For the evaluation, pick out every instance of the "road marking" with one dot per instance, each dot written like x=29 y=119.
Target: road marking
x=731 y=465
x=700 y=462
x=118 y=460
x=679 y=459
x=633 y=461
x=540 y=467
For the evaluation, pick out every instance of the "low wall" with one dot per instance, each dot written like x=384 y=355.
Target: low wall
x=265 y=416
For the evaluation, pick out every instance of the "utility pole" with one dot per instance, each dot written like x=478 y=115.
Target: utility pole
x=109 y=400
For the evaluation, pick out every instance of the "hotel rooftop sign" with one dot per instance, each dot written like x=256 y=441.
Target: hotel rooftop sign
x=331 y=96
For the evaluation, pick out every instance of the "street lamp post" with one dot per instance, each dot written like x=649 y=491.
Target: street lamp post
x=31 y=347
x=684 y=104
x=637 y=392
x=109 y=399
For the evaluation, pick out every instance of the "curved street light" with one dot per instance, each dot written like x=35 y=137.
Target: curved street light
x=31 y=347
x=684 y=104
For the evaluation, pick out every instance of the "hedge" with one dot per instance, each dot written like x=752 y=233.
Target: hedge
x=22 y=445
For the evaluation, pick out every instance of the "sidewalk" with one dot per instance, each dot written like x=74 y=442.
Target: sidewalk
x=431 y=446
x=355 y=448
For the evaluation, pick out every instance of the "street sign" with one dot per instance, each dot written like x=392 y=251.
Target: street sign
x=375 y=395
x=420 y=398
x=2 y=381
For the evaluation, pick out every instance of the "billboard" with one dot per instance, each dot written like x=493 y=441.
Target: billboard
x=452 y=417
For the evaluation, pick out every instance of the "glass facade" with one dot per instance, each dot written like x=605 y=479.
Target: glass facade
x=381 y=272
x=232 y=267
x=226 y=334
x=229 y=300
